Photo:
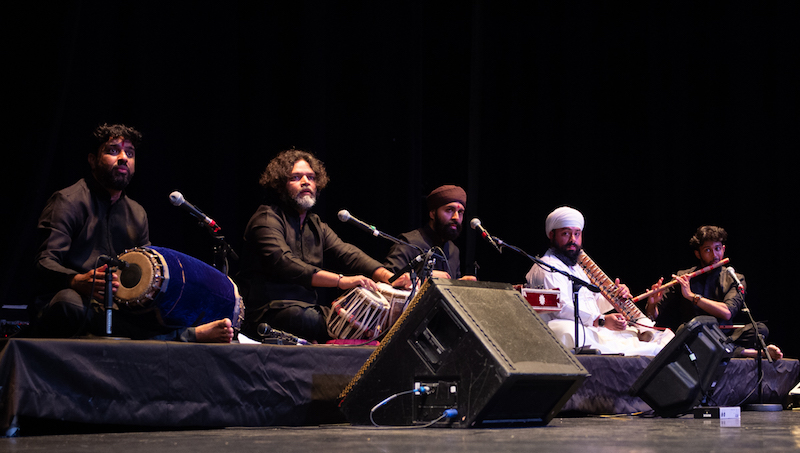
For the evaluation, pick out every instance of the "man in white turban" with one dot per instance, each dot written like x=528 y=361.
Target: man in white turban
x=608 y=332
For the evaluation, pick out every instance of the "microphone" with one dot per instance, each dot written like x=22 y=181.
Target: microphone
x=422 y=257
x=177 y=199
x=344 y=216
x=115 y=262
x=265 y=330
x=736 y=279
x=476 y=225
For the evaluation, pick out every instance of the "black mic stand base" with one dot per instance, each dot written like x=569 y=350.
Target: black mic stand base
x=763 y=407
x=585 y=350
x=91 y=336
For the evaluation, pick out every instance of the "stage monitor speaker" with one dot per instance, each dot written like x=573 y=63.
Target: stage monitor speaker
x=481 y=349
x=686 y=370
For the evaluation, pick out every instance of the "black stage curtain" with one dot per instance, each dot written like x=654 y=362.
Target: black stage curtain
x=653 y=118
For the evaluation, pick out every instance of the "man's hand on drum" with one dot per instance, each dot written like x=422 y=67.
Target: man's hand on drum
x=404 y=281
x=93 y=283
x=351 y=281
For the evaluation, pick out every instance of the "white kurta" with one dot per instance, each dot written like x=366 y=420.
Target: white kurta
x=590 y=307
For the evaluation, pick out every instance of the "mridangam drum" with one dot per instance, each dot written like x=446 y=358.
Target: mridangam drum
x=398 y=300
x=182 y=290
x=359 y=314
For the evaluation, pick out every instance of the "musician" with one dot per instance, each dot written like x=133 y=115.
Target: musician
x=713 y=293
x=289 y=252
x=94 y=217
x=600 y=328
x=446 y=205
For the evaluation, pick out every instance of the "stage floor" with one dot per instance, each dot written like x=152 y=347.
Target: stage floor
x=756 y=431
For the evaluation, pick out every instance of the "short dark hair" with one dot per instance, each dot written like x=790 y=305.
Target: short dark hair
x=280 y=167
x=708 y=233
x=105 y=133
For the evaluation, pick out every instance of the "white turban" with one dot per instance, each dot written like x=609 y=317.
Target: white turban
x=563 y=217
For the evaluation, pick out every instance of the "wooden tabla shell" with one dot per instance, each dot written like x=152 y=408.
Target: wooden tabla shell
x=359 y=314
x=398 y=301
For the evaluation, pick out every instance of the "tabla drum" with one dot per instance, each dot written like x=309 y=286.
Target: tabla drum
x=183 y=291
x=398 y=301
x=359 y=314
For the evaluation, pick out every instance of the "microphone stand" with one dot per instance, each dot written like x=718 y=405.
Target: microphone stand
x=109 y=297
x=424 y=274
x=762 y=348
x=428 y=259
x=428 y=262
x=410 y=267
x=222 y=250
x=113 y=267
x=577 y=283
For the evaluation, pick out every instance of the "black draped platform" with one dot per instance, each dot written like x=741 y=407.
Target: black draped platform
x=171 y=384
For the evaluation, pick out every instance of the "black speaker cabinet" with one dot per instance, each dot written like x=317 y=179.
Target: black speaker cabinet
x=686 y=369
x=483 y=351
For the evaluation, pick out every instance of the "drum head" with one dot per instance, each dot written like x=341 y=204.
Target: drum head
x=137 y=282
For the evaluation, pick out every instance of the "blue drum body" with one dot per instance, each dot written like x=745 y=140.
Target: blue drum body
x=182 y=290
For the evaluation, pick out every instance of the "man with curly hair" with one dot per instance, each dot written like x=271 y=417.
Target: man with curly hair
x=289 y=252
x=90 y=219
x=714 y=293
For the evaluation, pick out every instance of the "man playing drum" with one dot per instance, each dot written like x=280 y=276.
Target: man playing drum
x=446 y=205
x=90 y=219
x=288 y=250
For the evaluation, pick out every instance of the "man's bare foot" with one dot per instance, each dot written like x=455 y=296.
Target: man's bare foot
x=774 y=352
x=219 y=331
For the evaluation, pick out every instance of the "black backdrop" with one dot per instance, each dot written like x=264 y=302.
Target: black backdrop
x=650 y=117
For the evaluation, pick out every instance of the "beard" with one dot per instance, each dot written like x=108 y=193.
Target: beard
x=305 y=201
x=568 y=257
x=302 y=201
x=445 y=231
x=110 y=179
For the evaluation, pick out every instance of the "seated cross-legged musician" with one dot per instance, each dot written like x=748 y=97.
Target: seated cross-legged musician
x=713 y=293
x=446 y=205
x=289 y=253
x=600 y=328
x=89 y=219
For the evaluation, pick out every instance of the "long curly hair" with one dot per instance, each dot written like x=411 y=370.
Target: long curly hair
x=280 y=167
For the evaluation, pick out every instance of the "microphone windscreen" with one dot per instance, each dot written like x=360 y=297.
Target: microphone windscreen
x=344 y=215
x=176 y=198
x=474 y=223
x=264 y=329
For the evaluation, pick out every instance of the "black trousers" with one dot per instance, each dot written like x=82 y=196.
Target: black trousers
x=747 y=337
x=68 y=315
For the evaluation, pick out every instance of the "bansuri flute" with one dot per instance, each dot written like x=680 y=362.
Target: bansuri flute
x=674 y=282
